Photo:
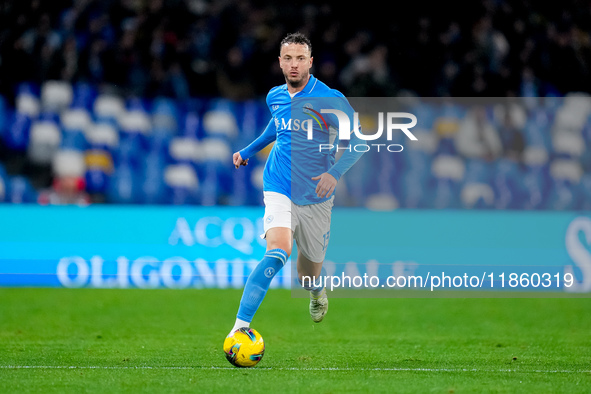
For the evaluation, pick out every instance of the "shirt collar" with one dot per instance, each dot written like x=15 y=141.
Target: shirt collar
x=309 y=86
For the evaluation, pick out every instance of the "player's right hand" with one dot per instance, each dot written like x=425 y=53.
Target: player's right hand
x=238 y=161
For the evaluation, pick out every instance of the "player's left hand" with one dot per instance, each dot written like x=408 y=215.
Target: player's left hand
x=326 y=184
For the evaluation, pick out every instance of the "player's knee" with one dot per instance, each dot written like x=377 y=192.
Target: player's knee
x=280 y=238
x=280 y=245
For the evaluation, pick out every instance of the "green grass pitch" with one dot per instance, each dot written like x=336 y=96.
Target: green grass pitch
x=91 y=340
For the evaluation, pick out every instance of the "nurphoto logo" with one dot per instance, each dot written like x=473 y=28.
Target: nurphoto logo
x=390 y=119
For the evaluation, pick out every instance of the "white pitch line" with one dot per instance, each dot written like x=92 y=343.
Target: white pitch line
x=294 y=369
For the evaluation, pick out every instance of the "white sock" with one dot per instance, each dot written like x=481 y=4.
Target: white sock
x=239 y=324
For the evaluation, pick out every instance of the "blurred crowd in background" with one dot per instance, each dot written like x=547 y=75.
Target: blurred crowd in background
x=143 y=101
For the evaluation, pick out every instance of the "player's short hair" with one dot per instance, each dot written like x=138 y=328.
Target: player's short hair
x=296 y=38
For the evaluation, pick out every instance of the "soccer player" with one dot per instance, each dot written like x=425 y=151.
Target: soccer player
x=299 y=179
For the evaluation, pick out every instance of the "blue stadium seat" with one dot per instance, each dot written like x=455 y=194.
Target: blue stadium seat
x=536 y=178
x=99 y=166
x=124 y=186
x=84 y=96
x=74 y=139
x=508 y=185
x=182 y=184
x=585 y=192
x=191 y=126
x=153 y=189
x=564 y=191
x=447 y=176
x=537 y=130
x=477 y=192
x=20 y=191
x=216 y=169
x=16 y=137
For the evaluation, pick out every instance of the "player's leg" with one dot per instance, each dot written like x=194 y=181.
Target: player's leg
x=279 y=238
x=318 y=298
x=312 y=239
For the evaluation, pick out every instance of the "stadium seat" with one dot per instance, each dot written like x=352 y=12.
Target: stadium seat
x=191 y=125
x=128 y=152
x=447 y=176
x=99 y=166
x=186 y=150
x=220 y=121
x=565 y=179
x=251 y=122
x=586 y=192
x=536 y=177
x=56 y=95
x=68 y=163
x=84 y=96
x=164 y=115
x=108 y=107
x=78 y=119
x=20 y=191
x=537 y=129
x=216 y=167
x=102 y=136
x=382 y=202
x=28 y=104
x=508 y=184
x=568 y=144
x=74 y=139
x=182 y=183
x=135 y=122
x=45 y=138
x=16 y=137
x=256 y=177
x=477 y=192
x=413 y=182
x=153 y=189
x=124 y=186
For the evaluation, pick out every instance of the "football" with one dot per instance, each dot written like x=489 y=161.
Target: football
x=245 y=348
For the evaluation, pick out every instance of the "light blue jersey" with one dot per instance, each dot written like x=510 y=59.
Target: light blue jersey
x=296 y=156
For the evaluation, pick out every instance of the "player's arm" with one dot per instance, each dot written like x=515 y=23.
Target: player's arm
x=269 y=135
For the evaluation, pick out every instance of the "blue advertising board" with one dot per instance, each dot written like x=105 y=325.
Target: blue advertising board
x=193 y=247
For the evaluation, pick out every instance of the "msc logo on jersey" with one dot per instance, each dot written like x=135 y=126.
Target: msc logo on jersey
x=292 y=124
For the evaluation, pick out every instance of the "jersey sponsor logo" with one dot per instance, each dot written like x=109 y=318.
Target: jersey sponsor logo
x=293 y=124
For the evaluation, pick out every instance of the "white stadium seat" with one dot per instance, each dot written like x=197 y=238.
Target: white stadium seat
x=102 y=134
x=68 y=163
x=28 y=104
x=76 y=119
x=185 y=149
x=216 y=150
x=448 y=167
x=44 y=140
x=108 y=106
x=56 y=95
x=181 y=175
x=135 y=121
x=218 y=122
